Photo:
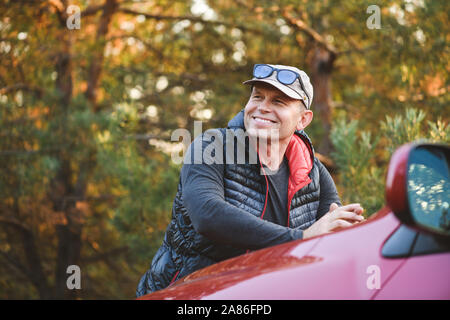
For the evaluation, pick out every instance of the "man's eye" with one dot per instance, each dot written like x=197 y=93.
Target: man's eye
x=277 y=101
x=256 y=97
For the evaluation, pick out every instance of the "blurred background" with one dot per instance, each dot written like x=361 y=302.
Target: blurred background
x=90 y=95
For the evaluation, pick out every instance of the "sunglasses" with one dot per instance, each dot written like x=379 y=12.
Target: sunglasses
x=284 y=76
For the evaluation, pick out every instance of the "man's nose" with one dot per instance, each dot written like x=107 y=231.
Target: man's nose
x=264 y=106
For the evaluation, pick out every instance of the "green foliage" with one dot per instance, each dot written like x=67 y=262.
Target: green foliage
x=362 y=161
x=359 y=178
x=403 y=129
x=79 y=158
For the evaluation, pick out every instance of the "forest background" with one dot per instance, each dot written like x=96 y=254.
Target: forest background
x=91 y=92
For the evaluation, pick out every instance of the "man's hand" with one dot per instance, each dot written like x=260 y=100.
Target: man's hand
x=337 y=217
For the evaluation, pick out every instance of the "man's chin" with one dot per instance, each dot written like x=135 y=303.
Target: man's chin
x=263 y=134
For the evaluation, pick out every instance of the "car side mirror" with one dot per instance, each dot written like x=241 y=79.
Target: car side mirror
x=418 y=187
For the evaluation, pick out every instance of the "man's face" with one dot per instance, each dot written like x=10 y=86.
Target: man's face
x=269 y=111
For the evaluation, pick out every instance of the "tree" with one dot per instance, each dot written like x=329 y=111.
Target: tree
x=86 y=115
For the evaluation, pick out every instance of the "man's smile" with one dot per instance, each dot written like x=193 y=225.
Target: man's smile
x=263 y=120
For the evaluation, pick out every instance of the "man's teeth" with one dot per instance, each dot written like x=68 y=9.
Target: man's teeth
x=262 y=120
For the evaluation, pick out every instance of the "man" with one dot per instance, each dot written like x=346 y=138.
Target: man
x=226 y=208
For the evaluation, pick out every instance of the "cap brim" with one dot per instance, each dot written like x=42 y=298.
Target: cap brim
x=286 y=90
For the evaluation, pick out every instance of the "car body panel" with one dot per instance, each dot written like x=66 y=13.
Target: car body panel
x=321 y=264
x=420 y=277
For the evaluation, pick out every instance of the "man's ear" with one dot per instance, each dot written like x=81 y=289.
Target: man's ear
x=305 y=119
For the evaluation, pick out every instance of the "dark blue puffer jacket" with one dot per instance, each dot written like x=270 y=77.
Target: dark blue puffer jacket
x=227 y=224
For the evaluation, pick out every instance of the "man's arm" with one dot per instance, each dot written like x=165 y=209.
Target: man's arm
x=216 y=219
x=328 y=192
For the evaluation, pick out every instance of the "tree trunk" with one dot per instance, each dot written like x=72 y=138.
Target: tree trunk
x=321 y=63
x=65 y=189
x=68 y=233
x=98 y=57
x=34 y=269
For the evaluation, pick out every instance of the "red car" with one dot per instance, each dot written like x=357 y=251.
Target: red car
x=401 y=252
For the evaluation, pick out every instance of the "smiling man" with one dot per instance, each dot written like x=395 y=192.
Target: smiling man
x=223 y=209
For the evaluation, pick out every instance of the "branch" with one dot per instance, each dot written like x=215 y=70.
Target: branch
x=243 y=4
x=145 y=43
x=14 y=223
x=354 y=44
x=13 y=261
x=166 y=17
x=62 y=14
x=26 y=152
x=188 y=17
x=60 y=10
x=301 y=25
x=34 y=271
x=91 y=10
x=57 y=4
x=22 y=86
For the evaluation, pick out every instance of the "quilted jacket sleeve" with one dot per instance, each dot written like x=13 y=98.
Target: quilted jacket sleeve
x=216 y=219
x=328 y=192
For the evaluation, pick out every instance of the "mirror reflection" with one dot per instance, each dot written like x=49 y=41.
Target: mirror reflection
x=429 y=188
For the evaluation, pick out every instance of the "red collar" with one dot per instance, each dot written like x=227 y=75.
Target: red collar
x=298 y=155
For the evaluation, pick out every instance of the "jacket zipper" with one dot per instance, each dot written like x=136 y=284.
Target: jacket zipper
x=267 y=191
x=265 y=201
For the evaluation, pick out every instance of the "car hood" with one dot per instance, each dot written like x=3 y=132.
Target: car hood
x=333 y=266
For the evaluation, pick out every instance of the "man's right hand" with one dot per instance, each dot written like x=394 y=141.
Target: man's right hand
x=336 y=218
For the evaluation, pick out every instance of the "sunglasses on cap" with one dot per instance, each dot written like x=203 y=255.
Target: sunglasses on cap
x=284 y=76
